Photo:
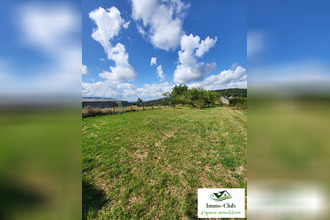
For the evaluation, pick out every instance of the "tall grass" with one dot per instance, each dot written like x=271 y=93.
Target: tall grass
x=89 y=111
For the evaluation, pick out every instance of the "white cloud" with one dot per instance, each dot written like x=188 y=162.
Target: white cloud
x=141 y=31
x=123 y=71
x=108 y=24
x=205 y=45
x=163 y=21
x=126 y=24
x=153 y=61
x=188 y=68
x=226 y=79
x=126 y=91
x=184 y=74
x=102 y=59
x=84 y=70
x=160 y=72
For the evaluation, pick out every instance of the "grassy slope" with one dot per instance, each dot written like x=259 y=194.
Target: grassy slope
x=149 y=164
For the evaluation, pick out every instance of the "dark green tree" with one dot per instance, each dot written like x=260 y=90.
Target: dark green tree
x=139 y=102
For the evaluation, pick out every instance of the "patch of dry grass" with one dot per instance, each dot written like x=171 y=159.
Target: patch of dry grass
x=152 y=162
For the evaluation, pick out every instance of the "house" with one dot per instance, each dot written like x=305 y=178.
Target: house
x=225 y=100
x=102 y=102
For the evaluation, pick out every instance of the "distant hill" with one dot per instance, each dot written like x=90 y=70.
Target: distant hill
x=233 y=92
x=152 y=102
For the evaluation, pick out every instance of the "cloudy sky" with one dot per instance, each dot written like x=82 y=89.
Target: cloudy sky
x=142 y=48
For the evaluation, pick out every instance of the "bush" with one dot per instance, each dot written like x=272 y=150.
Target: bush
x=240 y=103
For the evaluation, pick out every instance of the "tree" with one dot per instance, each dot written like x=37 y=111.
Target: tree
x=210 y=97
x=177 y=96
x=195 y=97
x=139 y=102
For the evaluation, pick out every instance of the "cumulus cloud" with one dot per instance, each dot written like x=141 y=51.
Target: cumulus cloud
x=126 y=91
x=188 y=68
x=153 y=61
x=225 y=79
x=161 y=21
x=84 y=70
x=109 y=23
x=160 y=72
x=123 y=71
x=205 y=45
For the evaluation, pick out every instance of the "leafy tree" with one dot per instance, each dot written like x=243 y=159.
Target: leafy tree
x=195 y=97
x=210 y=97
x=139 y=102
x=177 y=96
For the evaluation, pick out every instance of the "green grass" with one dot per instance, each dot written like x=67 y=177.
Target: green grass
x=149 y=164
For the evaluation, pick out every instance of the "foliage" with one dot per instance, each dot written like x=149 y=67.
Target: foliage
x=211 y=97
x=169 y=99
x=157 y=102
x=196 y=97
x=139 y=102
x=177 y=96
x=240 y=103
x=233 y=92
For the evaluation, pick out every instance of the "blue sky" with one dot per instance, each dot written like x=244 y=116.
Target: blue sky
x=210 y=35
x=288 y=42
x=40 y=48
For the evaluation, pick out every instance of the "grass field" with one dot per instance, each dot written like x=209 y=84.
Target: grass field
x=149 y=164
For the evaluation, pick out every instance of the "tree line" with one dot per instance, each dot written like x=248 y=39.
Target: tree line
x=196 y=97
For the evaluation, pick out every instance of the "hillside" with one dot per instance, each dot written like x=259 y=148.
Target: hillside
x=233 y=92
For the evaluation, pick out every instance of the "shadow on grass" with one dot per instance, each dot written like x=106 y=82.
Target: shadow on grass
x=15 y=197
x=92 y=200
x=191 y=206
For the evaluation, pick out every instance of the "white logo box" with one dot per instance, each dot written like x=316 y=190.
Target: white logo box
x=221 y=203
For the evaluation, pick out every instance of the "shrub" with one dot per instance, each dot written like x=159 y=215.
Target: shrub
x=240 y=103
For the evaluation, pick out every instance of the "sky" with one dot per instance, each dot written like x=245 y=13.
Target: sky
x=45 y=43
x=288 y=43
x=40 y=48
x=142 y=48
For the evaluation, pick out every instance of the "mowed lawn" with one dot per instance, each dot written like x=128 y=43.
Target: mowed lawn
x=149 y=164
